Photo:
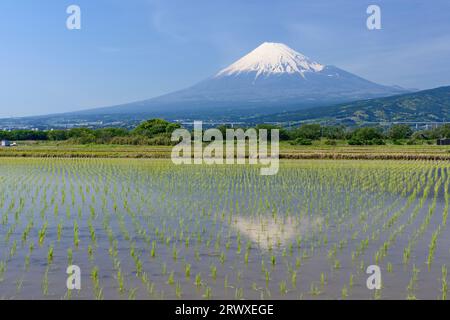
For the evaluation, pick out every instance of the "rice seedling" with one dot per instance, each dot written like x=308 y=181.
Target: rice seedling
x=432 y=246
x=344 y=292
x=171 y=280
x=50 y=255
x=239 y=294
x=444 y=285
x=294 y=279
x=76 y=240
x=153 y=251
x=178 y=291
x=98 y=292
x=42 y=233
x=283 y=288
x=213 y=272
x=208 y=293
x=412 y=284
x=2 y=269
x=198 y=280
x=132 y=294
x=120 y=281
x=187 y=270
x=389 y=267
x=314 y=289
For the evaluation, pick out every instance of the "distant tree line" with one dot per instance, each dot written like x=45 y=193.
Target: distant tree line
x=158 y=132
x=151 y=132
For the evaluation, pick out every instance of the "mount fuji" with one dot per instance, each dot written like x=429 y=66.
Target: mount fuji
x=271 y=77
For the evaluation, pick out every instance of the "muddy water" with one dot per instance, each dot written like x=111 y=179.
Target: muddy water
x=221 y=232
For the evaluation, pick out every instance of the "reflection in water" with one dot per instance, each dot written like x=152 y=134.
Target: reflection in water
x=269 y=232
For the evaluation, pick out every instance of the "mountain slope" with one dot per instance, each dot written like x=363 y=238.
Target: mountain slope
x=431 y=105
x=271 y=76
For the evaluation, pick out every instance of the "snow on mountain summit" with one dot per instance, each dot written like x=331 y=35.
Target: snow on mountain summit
x=272 y=58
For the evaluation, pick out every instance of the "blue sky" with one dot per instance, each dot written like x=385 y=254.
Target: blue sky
x=129 y=50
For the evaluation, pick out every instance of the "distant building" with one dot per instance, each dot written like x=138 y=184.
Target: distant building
x=443 y=142
x=5 y=143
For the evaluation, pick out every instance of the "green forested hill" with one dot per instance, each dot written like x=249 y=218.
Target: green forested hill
x=428 y=105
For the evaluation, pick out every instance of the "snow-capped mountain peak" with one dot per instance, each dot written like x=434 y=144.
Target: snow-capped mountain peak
x=272 y=58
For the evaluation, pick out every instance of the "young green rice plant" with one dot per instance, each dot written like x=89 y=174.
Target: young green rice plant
x=98 y=294
x=298 y=263
x=239 y=294
x=407 y=253
x=314 y=289
x=120 y=281
x=389 y=267
x=178 y=291
x=412 y=284
x=377 y=294
x=31 y=248
x=208 y=293
x=76 y=239
x=171 y=280
x=187 y=270
x=59 y=231
x=344 y=292
x=138 y=265
x=132 y=294
x=90 y=251
x=283 y=288
x=323 y=280
x=213 y=272
x=226 y=283
x=98 y=291
x=336 y=264
x=50 y=255
x=294 y=279
x=432 y=246
x=69 y=256
x=92 y=232
x=273 y=260
x=153 y=250
x=13 y=250
x=27 y=262
x=56 y=209
x=222 y=258
x=2 y=270
x=351 y=281
x=444 y=285
x=198 y=280
x=174 y=252
x=42 y=233
x=267 y=277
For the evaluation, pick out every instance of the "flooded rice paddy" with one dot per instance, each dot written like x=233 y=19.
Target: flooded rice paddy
x=146 y=229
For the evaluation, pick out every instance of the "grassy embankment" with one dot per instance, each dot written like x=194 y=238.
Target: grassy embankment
x=287 y=151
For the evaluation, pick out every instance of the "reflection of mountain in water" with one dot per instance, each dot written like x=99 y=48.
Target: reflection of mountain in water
x=268 y=232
